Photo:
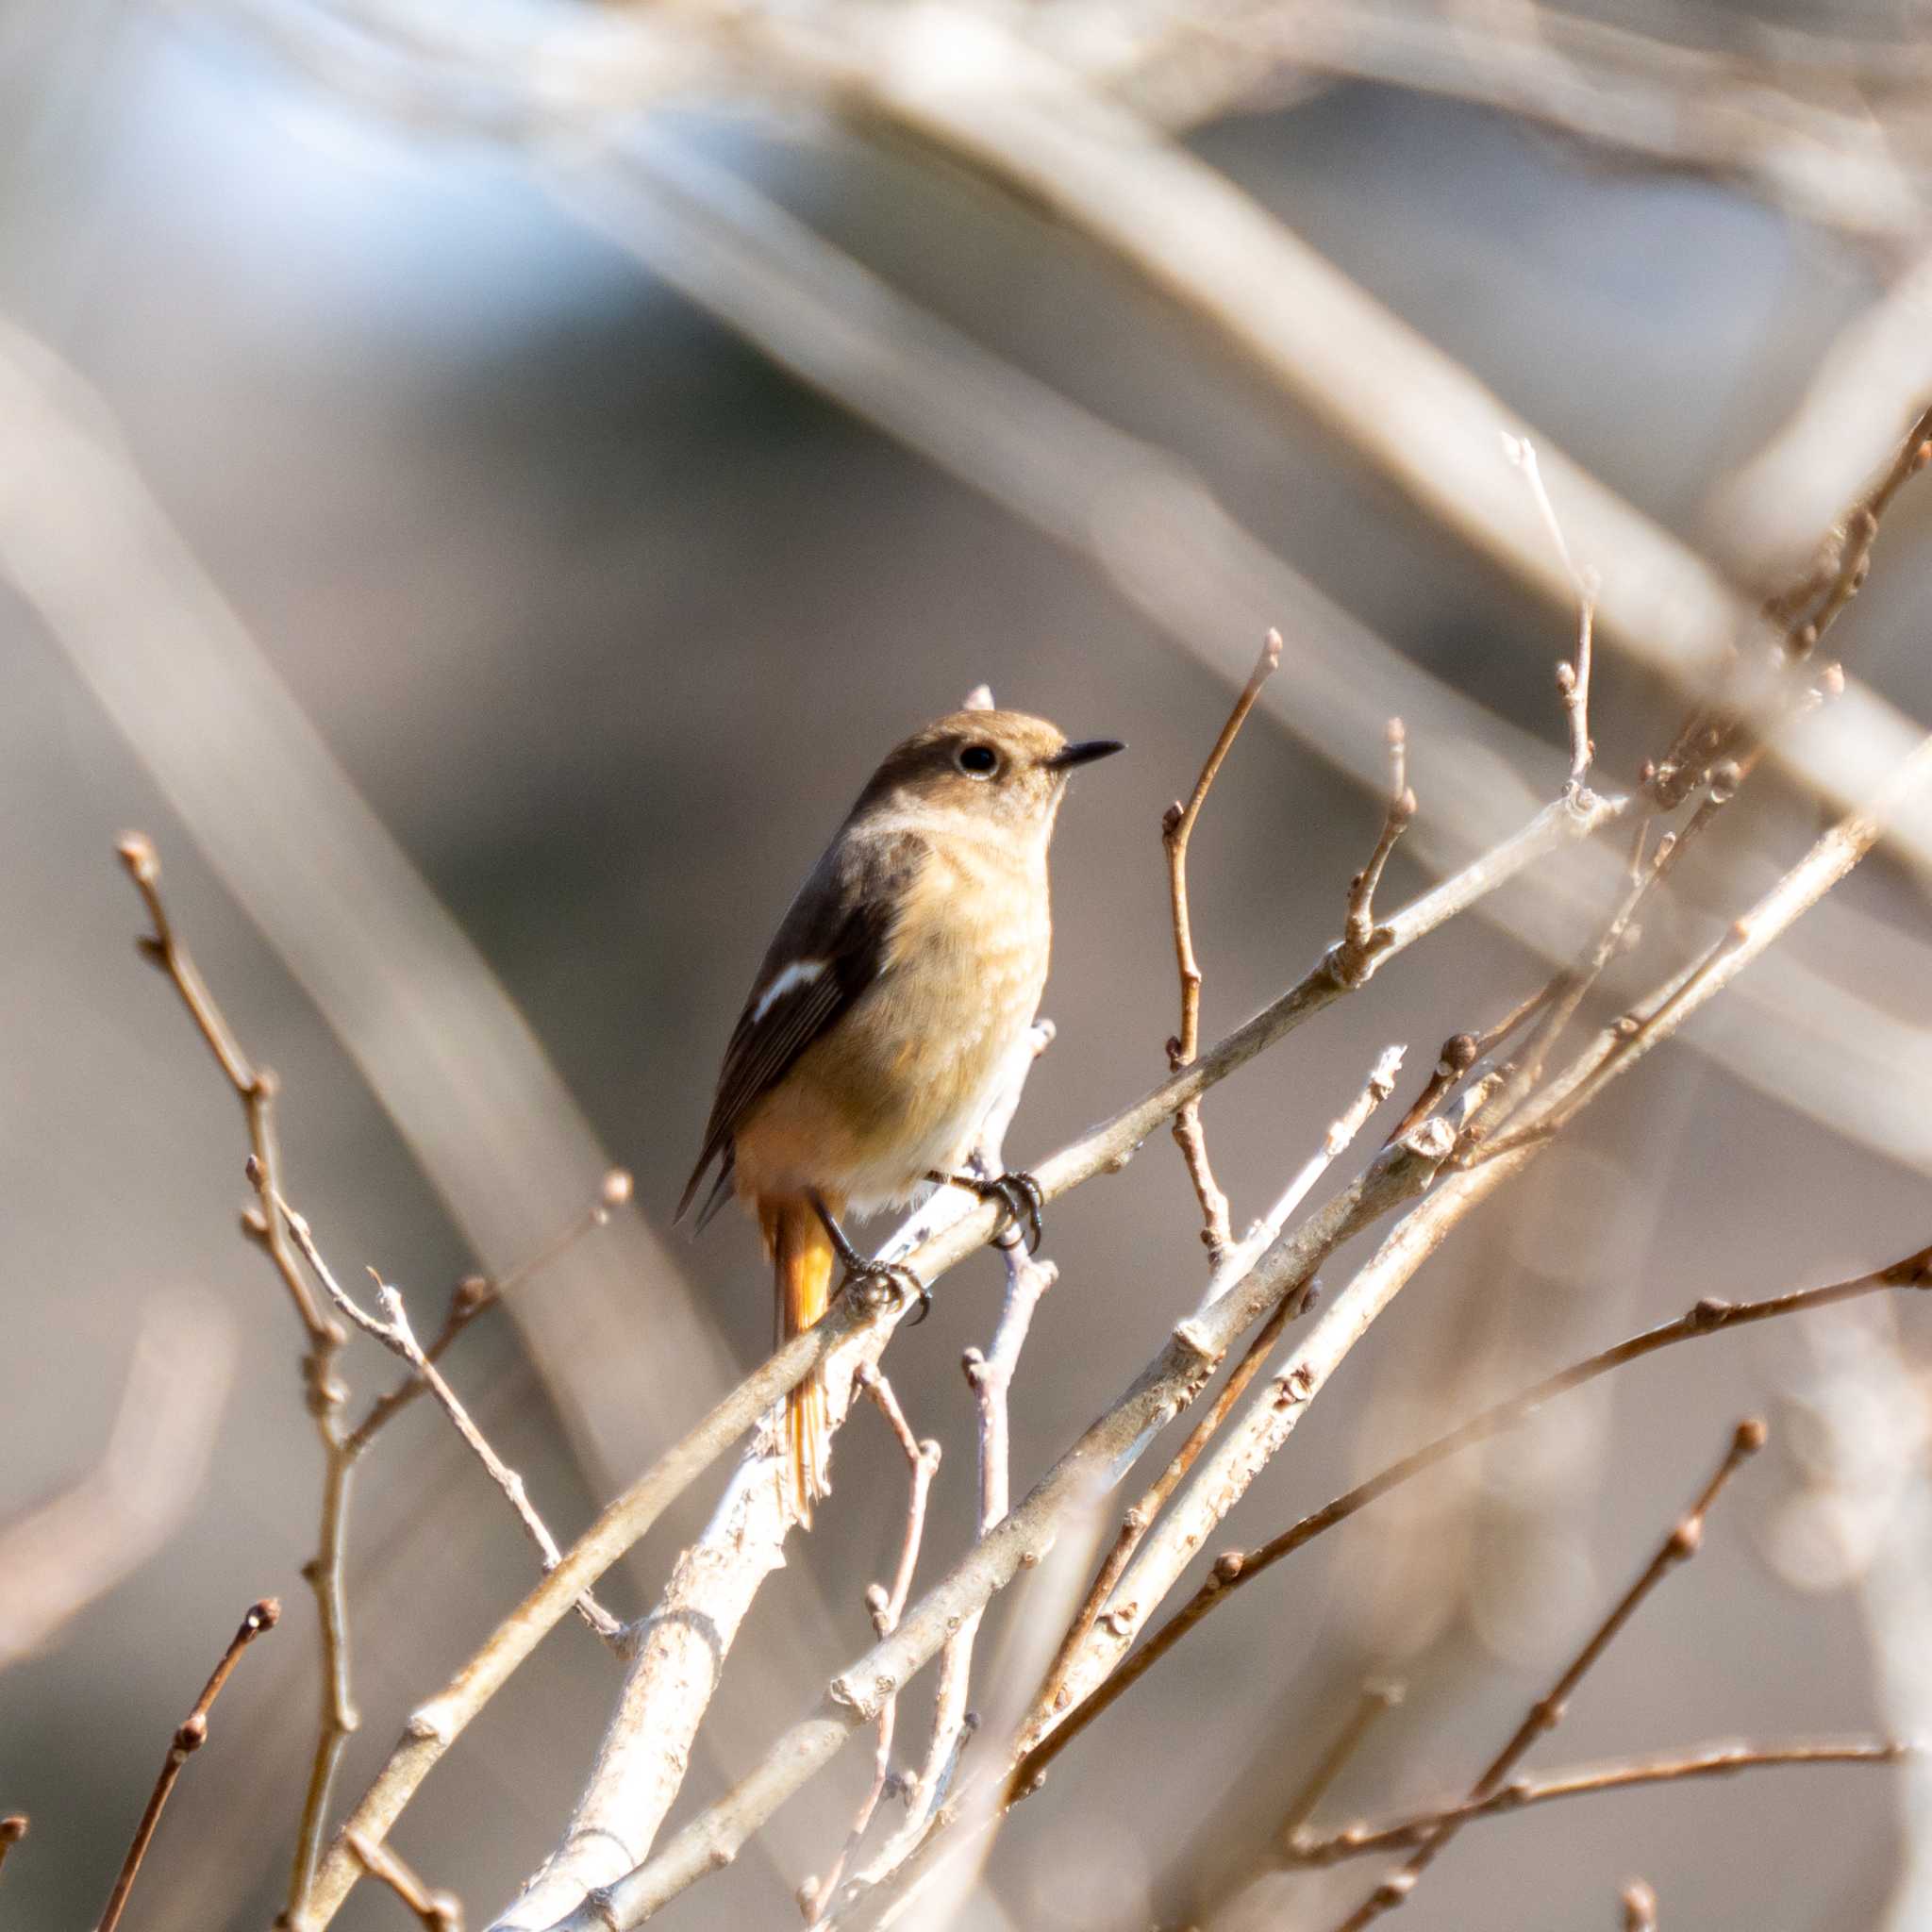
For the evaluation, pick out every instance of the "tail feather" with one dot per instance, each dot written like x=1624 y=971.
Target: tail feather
x=801 y=1260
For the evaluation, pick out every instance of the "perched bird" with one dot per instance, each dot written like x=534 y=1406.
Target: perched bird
x=899 y=985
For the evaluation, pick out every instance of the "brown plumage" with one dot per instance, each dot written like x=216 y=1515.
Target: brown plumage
x=903 y=978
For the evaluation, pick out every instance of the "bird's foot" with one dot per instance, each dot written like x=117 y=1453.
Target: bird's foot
x=1020 y=1197
x=887 y=1284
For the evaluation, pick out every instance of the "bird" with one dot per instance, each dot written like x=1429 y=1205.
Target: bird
x=876 y=1033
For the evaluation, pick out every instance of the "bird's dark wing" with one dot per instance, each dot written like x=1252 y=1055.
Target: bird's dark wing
x=830 y=948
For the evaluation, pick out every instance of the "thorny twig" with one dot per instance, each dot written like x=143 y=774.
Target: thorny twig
x=1362 y=939
x=392 y=1329
x=886 y=1608
x=1677 y=1548
x=1177 y=828
x=1714 y=1761
x=1051 y=1696
x=439 y=1911
x=189 y=1737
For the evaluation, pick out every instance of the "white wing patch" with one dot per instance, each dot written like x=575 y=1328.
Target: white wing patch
x=800 y=972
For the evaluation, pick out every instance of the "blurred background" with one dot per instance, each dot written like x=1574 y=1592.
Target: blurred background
x=481 y=488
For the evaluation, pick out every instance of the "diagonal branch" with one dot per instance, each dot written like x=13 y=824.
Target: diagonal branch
x=1677 y=1548
x=189 y=1737
x=1714 y=1761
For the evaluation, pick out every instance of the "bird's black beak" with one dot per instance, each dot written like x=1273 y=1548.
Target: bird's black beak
x=1084 y=753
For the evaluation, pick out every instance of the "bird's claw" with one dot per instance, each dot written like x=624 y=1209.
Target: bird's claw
x=887 y=1283
x=1020 y=1195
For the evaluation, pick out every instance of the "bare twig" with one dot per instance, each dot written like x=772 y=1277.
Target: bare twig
x=477 y=1293
x=1678 y=1547
x=886 y=1608
x=189 y=1737
x=437 y=1721
x=1050 y=1697
x=392 y=1329
x=1640 y=1908
x=439 y=1911
x=1714 y=1761
x=1177 y=828
x=1238 y=1568
x=324 y=1391
x=1362 y=939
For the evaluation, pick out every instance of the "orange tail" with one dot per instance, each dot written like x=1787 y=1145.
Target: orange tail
x=802 y=1258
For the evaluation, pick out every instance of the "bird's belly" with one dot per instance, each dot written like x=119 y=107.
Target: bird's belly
x=896 y=1089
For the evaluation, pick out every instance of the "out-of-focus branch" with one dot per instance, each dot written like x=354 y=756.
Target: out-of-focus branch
x=189 y=1736
x=1677 y=1548
x=1177 y=828
x=1640 y=1908
x=58 y=1558
x=13 y=1827
x=1715 y=1760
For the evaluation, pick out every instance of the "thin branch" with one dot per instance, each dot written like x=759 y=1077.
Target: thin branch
x=1135 y=1523
x=1362 y=939
x=189 y=1737
x=393 y=1331
x=1713 y=1760
x=477 y=1293
x=1236 y=1568
x=1177 y=828
x=1677 y=1548
x=436 y=1724
x=886 y=1608
x=324 y=1390
x=439 y=1911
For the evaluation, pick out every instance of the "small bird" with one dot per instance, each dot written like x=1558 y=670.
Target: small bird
x=900 y=984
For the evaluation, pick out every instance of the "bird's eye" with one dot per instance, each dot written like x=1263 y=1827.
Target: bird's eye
x=978 y=760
